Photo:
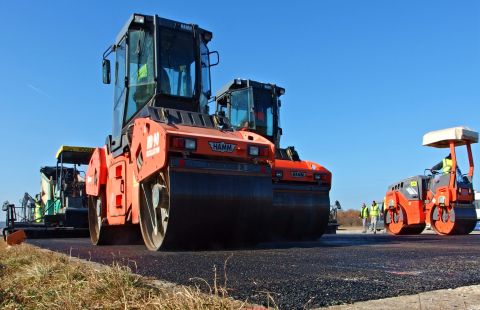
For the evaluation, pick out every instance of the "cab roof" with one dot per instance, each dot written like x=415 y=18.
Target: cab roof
x=243 y=83
x=79 y=155
x=162 y=22
x=441 y=138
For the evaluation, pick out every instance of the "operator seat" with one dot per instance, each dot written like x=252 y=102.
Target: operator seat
x=144 y=92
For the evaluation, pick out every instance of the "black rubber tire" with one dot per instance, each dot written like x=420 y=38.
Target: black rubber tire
x=154 y=218
x=101 y=234
x=97 y=232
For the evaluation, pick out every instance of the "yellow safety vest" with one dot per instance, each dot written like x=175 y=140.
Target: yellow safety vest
x=38 y=212
x=142 y=72
x=364 y=213
x=447 y=165
x=374 y=211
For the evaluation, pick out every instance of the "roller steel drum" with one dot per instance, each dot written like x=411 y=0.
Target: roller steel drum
x=300 y=212
x=459 y=219
x=198 y=204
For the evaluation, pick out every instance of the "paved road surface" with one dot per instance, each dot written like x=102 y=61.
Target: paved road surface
x=336 y=269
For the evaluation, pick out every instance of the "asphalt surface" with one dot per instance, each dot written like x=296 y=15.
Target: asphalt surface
x=336 y=269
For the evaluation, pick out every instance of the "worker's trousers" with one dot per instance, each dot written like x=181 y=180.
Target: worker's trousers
x=374 y=222
x=364 y=223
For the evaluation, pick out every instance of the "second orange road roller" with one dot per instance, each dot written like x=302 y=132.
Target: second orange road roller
x=300 y=187
x=186 y=178
x=443 y=198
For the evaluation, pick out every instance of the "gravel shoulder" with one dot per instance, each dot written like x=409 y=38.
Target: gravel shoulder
x=467 y=297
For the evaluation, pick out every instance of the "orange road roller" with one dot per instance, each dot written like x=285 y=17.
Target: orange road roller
x=300 y=188
x=442 y=198
x=187 y=179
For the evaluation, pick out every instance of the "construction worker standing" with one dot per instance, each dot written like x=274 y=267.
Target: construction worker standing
x=374 y=212
x=364 y=217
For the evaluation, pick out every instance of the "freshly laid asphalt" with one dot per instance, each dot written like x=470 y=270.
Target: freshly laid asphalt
x=336 y=269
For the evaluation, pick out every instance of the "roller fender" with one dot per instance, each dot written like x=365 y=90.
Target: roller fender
x=96 y=174
x=149 y=148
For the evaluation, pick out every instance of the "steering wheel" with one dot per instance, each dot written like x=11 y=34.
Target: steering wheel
x=432 y=172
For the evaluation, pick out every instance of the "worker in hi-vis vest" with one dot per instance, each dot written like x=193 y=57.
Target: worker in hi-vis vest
x=374 y=212
x=445 y=165
x=364 y=216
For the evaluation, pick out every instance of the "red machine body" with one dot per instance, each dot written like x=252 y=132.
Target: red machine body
x=117 y=179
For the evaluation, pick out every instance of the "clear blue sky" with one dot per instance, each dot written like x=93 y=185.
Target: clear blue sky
x=364 y=79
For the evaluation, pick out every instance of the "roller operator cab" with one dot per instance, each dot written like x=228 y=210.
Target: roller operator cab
x=300 y=187
x=186 y=178
x=442 y=199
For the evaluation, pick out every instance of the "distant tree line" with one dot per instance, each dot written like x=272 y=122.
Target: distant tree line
x=349 y=218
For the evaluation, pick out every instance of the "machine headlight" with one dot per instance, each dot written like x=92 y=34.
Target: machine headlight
x=253 y=150
x=184 y=143
x=190 y=144
x=139 y=19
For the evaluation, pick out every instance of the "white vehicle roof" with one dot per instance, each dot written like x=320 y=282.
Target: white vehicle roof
x=442 y=138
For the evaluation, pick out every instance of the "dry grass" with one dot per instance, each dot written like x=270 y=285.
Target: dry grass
x=35 y=279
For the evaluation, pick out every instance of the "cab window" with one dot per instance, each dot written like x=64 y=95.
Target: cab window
x=177 y=59
x=205 y=66
x=263 y=112
x=241 y=116
x=141 y=77
x=119 y=97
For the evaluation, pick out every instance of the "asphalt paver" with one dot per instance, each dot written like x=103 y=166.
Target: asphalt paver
x=336 y=269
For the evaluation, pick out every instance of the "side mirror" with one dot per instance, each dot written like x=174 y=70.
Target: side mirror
x=279 y=103
x=214 y=63
x=109 y=142
x=106 y=71
x=337 y=204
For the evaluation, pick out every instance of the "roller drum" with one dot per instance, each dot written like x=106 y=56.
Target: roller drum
x=396 y=223
x=224 y=206
x=458 y=220
x=300 y=212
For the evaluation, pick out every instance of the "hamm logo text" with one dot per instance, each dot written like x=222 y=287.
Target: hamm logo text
x=298 y=174
x=222 y=147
